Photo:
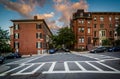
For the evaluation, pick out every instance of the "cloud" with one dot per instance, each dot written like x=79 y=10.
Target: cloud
x=23 y=7
x=45 y=15
x=67 y=8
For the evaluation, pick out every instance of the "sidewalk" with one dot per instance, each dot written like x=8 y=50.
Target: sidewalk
x=81 y=52
x=4 y=68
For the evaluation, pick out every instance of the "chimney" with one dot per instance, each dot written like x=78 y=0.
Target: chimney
x=35 y=17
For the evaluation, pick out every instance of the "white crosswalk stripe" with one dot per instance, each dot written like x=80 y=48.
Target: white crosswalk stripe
x=66 y=65
x=99 y=57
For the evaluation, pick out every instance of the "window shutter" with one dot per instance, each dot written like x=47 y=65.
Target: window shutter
x=18 y=27
x=18 y=44
x=36 y=35
x=41 y=44
x=40 y=35
x=18 y=35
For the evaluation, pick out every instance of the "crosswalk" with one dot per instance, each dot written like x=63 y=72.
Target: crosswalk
x=99 y=57
x=61 y=67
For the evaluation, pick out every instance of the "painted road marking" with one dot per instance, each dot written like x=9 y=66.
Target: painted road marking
x=26 y=60
x=66 y=67
x=99 y=57
x=94 y=66
x=82 y=69
x=52 y=67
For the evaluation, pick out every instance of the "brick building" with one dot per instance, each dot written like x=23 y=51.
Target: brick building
x=91 y=28
x=30 y=36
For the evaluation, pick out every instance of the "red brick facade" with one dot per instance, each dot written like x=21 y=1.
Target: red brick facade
x=30 y=36
x=91 y=28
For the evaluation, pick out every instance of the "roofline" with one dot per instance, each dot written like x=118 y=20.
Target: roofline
x=32 y=20
x=26 y=20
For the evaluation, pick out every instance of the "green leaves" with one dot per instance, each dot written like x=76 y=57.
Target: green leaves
x=65 y=37
x=4 y=38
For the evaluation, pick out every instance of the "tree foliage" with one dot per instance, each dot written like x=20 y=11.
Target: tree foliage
x=118 y=30
x=4 y=37
x=106 y=42
x=65 y=37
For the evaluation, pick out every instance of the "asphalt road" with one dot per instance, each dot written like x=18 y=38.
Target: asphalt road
x=65 y=65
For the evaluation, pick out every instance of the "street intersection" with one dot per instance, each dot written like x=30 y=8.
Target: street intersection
x=64 y=63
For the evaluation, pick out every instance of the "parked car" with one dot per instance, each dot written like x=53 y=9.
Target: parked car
x=98 y=50
x=1 y=59
x=17 y=55
x=13 y=55
x=51 y=51
x=114 y=49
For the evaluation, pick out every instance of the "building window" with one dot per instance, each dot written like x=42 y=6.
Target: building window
x=88 y=22
x=116 y=18
x=101 y=25
x=95 y=25
x=81 y=29
x=102 y=33
x=38 y=26
x=38 y=44
x=81 y=47
x=110 y=25
x=38 y=35
x=81 y=14
x=81 y=40
x=89 y=15
x=81 y=21
x=16 y=26
x=94 y=33
x=110 y=18
x=101 y=18
x=88 y=30
x=16 y=45
x=16 y=35
x=95 y=18
x=116 y=25
x=89 y=40
x=110 y=33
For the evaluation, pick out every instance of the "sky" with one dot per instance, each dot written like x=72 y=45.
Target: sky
x=57 y=13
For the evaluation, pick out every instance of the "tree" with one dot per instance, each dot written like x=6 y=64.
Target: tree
x=118 y=30
x=4 y=38
x=65 y=37
x=106 y=42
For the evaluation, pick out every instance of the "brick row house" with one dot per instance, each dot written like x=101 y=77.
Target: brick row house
x=30 y=36
x=91 y=28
